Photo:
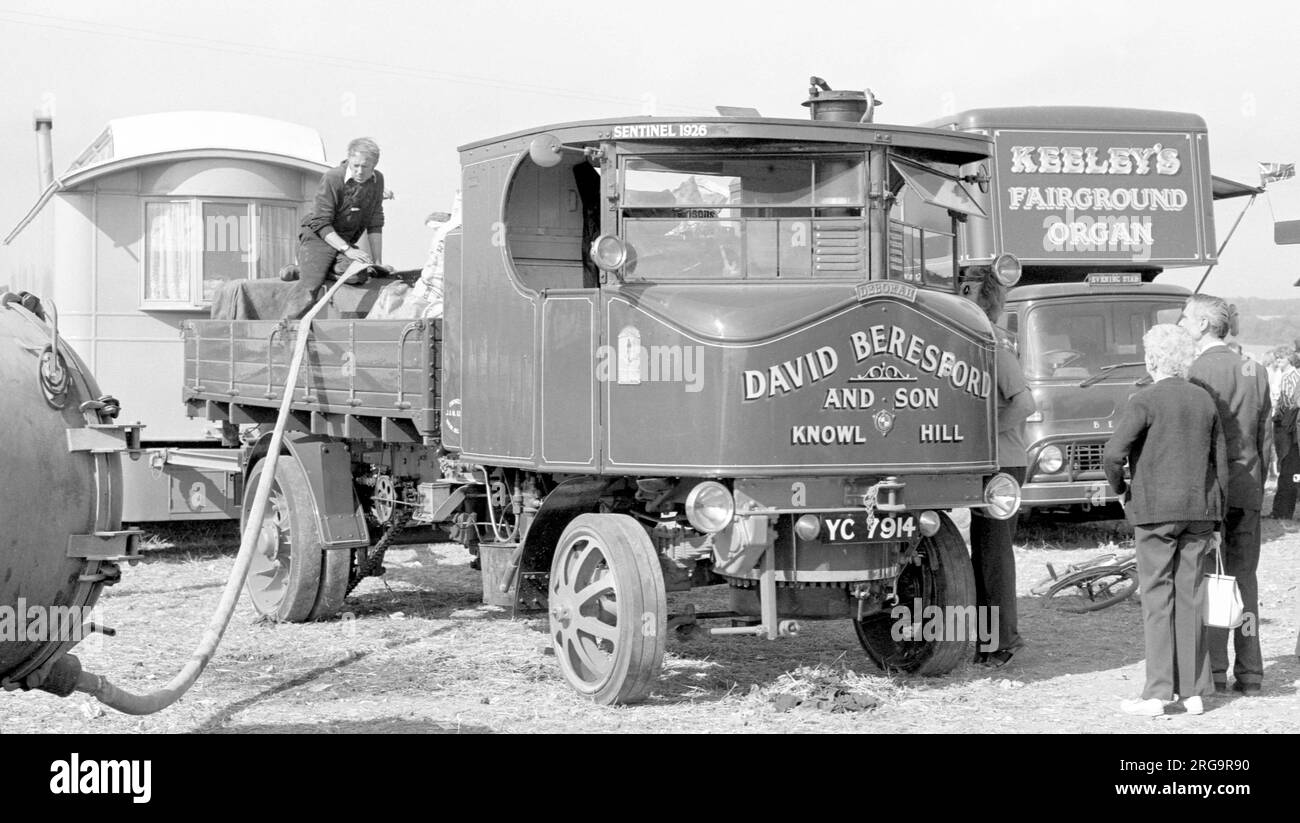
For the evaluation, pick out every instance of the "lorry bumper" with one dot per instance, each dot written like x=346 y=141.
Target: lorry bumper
x=1078 y=492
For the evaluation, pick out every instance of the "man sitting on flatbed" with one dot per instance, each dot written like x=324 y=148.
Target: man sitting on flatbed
x=349 y=203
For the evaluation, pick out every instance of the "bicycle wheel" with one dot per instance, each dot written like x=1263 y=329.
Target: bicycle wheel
x=1089 y=590
x=1042 y=587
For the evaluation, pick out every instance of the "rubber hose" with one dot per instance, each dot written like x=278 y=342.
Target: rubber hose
x=127 y=702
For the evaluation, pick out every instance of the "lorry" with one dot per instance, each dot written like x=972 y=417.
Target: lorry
x=1095 y=202
x=675 y=352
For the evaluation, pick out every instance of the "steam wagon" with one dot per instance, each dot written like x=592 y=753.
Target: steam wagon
x=676 y=352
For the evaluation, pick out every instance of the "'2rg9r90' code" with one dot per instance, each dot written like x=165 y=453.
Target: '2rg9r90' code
x=1218 y=765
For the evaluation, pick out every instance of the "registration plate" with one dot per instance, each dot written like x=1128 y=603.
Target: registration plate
x=848 y=529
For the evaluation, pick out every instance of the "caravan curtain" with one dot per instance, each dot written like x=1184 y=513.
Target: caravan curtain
x=170 y=254
x=276 y=233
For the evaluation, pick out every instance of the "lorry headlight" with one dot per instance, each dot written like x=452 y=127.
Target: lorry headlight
x=1007 y=269
x=1050 y=460
x=1001 y=497
x=710 y=507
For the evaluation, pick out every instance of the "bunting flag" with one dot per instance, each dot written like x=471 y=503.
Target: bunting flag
x=1268 y=172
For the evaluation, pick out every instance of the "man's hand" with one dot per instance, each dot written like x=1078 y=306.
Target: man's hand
x=356 y=255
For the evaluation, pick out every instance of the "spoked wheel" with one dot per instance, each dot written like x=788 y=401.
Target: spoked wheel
x=951 y=584
x=1091 y=589
x=609 y=610
x=290 y=578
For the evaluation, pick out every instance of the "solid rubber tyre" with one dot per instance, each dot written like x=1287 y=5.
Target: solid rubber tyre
x=608 y=608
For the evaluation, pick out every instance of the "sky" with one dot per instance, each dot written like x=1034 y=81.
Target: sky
x=424 y=78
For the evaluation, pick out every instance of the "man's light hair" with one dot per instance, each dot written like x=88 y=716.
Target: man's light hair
x=1221 y=317
x=1169 y=349
x=365 y=147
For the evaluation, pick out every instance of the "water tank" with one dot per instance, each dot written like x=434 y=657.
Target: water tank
x=60 y=500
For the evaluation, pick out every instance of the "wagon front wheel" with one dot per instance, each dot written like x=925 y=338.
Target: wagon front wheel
x=608 y=608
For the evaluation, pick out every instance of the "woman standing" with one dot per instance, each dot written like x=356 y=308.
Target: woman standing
x=1171 y=436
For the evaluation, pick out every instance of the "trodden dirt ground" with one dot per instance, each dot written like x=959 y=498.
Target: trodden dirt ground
x=418 y=652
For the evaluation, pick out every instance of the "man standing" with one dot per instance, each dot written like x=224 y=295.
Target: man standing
x=1239 y=387
x=991 y=541
x=1286 y=398
x=349 y=202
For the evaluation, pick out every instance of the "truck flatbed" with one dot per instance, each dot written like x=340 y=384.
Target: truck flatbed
x=362 y=379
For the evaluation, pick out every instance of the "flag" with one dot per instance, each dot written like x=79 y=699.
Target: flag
x=1269 y=172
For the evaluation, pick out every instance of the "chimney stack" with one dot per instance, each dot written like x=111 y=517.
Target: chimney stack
x=844 y=106
x=44 y=124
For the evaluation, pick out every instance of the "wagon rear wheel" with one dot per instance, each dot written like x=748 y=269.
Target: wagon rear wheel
x=944 y=579
x=609 y=610
x=290 y=578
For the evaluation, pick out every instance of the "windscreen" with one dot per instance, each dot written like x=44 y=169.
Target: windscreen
x=738 y=217
x=1076 y=339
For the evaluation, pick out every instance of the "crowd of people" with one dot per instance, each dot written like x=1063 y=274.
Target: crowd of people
x=1190 y=455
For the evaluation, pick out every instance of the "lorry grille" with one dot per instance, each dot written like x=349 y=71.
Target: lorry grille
x=1086 y=457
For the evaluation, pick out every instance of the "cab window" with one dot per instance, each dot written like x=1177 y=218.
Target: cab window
x=922 y=238
x=749 y=217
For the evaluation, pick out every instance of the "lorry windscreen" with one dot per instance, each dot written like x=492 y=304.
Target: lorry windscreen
x=743 y=217
x=1076 y=339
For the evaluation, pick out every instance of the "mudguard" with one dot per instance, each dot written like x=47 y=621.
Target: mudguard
x=575 y=496
x=328 y=467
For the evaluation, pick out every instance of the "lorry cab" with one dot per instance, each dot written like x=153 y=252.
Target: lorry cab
x=1080 y=346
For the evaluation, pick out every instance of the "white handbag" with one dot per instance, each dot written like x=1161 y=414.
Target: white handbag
x=1223 y=606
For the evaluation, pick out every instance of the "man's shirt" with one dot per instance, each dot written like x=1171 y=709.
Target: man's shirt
x=1287 y=396
x=347 y=206
x=1011 y=381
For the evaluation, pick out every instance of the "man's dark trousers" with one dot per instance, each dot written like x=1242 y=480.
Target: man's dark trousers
x=994 y=559
x=1171 y=574
x=315 y=259
x=1287 y=469
x=1241 y=560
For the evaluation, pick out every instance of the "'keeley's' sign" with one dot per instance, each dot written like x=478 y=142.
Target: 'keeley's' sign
x=1086 y=196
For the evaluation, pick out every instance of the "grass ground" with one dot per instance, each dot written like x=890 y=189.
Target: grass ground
x=419 y=652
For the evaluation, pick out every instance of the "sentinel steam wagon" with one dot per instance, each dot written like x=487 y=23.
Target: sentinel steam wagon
x=675 y=353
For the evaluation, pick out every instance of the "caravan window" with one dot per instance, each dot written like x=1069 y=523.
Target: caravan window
x=194 y=246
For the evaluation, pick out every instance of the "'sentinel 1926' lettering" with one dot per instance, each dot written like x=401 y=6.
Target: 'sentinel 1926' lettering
x=650 y=131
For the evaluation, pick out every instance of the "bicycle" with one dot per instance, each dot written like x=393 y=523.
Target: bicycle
x=1090 y=586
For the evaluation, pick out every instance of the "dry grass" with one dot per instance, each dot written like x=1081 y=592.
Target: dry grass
x=418 y=652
